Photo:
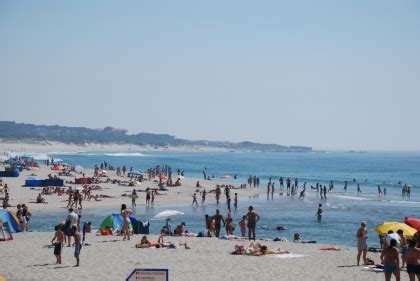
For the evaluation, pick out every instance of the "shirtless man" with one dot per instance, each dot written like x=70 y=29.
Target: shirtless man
x=218 y=191
x=218 y=219
x=252 y=218
x=412 y=258
x=59 y=238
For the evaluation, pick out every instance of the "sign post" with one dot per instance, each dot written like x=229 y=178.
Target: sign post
x=148 y=274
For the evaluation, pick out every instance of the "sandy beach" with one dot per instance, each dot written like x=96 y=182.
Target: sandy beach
x=179 y=194
x=30 y=257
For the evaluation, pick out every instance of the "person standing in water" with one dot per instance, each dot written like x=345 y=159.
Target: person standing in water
x=203 y=198
x=218 y=220
x=194 y=200
x=359 y=190
x=319 y=213
x=218 y=191
x=362 y=236
x=235 y=201
x=345 y=185
x=228 y=200
x=272 y=190
x=325 y=192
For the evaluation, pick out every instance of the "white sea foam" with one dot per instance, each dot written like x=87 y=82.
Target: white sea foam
x=129 y=154
x=350 y=197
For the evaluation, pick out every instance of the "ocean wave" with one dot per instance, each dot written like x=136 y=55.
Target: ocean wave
x=128 y=154
x=37 y=156
x=66 y=153
x=350 y=197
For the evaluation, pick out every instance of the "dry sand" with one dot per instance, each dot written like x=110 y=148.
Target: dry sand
x=109 y=258
x=180 y=194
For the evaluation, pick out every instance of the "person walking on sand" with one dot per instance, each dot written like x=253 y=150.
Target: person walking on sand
x=362 y=236
x=391 y=261
x=133 y=198
x=252 y=218
x=70 y=221
x=126 y=221
x=319 y=213
x=77 y=245
x=59 y=240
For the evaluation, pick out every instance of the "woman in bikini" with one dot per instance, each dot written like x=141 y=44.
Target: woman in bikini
x=362 y=236
x=229 y=225
x=126 y=220
x=391 y=260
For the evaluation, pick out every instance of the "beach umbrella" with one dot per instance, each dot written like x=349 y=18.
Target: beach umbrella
x=168 y=214
x=162 y=177
x=226 y=177
x=383 y=229
x=413 y=222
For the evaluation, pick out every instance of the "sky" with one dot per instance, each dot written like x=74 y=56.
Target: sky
x=325 y=74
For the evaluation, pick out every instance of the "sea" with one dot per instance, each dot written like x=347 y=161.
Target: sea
x=342 y=211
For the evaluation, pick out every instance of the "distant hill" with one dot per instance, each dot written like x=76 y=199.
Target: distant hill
x=10 y=130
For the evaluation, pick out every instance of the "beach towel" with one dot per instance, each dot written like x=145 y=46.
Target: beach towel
x=288 y=256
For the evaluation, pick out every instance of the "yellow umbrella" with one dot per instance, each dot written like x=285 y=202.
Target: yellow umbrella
x=383 y=229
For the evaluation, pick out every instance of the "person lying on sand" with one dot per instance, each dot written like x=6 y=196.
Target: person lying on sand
x=256 y=249
x=145 y=243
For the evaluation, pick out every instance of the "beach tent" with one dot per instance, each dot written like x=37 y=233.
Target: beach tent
x=78 y=169
x=413 y=222
x=33 y=182
x=383 y=229
x=10 y=172
x=10 y=217
x=115 y=221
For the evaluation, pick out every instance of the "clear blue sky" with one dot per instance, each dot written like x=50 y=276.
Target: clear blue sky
x=327 y=74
